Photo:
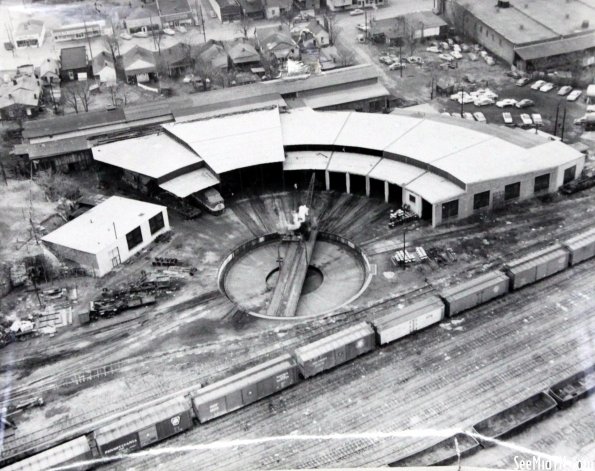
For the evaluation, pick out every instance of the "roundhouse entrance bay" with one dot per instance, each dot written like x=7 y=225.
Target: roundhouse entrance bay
x=444 y=169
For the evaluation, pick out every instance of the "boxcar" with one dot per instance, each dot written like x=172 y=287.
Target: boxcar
x=335 y=349
x=537 y=265
x=245 y=388
x=581 y=246
x=68 y=453
x=571 y=389
x=474 y=292
x=403 y=322
x=144 y=427
x=442 y=453
x=515 y=418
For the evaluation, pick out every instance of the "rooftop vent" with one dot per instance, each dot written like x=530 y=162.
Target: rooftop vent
x=503 y=4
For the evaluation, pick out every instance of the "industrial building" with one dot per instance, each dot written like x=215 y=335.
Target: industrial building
x=443 y=169
x=108 y=234
x=535 y=35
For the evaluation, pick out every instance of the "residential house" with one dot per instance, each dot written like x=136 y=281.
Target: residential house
x=104 y=69
x=74 y=64
x=49 y=71
x=311 y=35
x=331 y=59
x=26 y=69
x=253 y=9
x=77 y=31
x=276 y=8
x=143 y=19
x=307 y=4
x=214 y=53
x=226 y=10
x=343 y=5
x=29 y=34
x=178 y=59
x=243 y=54
x=175 y=13
x=20 y=97
x=139 y=65
x=277 y=41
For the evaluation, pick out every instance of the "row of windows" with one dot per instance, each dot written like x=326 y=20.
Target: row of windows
x=135 y=237
x=511 y=191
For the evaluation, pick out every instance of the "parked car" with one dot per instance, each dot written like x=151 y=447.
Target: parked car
x=489 y=60
x=141 y=34
x=465 y=47
x=457 y=115
x=536 y=117
x=507 y=118
x=546 y=87
x=456 y=54
x=479 y=116
x=434 y=49
x=483 y=101
x=565 y=90
x=397 y=65
x=468 y=116
x=363 y=27
x=506 y=102
x=188 y=78
x=385 y=60
x=522 y=81
x=473 y=57
x=126 y=36
x=415 y=60
x=446 y=57
x=524 y=103
x=357 y=11
x=526 y=120
x=168 y=31
x=182 y=29
x=537 y=85
x=445 y=113
x=573 y=95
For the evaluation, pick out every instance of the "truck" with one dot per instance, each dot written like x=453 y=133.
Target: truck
x=210 y=200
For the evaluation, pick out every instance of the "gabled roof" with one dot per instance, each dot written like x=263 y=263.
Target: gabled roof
x=29 y=27
x=177 y=54
x=49 y=66
x=101 y=61
x=22 y=90
x=139 y=13
x=315 y=27
x=171 y=7
x=215 y=54
x=251 y=6
x=556 y=47
x=73 y=58
x=263 y=32
x=241 y=52
x=138 y=59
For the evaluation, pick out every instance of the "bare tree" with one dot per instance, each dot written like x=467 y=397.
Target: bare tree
x=409 y=34
x=205 y=70
x=83 y=92
x=112 y=44
x=346 y=57
x=245 y=26
x=331 y=24
x=270 y=64
x=70 y=98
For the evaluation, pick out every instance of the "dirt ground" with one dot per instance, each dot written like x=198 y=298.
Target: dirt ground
x=197 y=335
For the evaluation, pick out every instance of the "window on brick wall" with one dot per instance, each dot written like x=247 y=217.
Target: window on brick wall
x=512 y=191
x=156 y=223
x=569 y=174
x=450 y=209
x=481 y=200
x=134 y=238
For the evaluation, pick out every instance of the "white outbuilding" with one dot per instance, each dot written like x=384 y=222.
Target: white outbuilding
x=109 y=234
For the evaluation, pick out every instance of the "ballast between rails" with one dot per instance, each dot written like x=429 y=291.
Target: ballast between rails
x=143 y=428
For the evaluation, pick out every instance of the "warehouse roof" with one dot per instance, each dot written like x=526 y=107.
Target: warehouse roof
x=323 y=98
x=68 y=123
x=356 y=164
x=234 y=141
x=155 y=155
x=189 y=183
x=73 y=58
x=98 y=228
x=53 y=148
x=306 y=160
x=557 y=47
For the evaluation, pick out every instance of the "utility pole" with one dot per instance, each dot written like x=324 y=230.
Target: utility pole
x=563 y=125
x=3 y=174
x=462 y=101
x=400 y=59
x=556 y=121
x=404 y=232
x=87 y=35
x=202 y=22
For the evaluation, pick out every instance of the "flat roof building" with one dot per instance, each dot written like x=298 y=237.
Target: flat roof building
x=109 y=234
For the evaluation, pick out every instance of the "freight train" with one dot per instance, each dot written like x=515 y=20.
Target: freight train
x=143 y=427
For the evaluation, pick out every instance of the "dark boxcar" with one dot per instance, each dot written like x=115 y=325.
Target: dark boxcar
x=581 y=247
x=245 y=388
x=144 y=427
x=571 y=389
x=474 y=292
x=68 y=453
x=412 y=318
x=515 y=418
x=537 y=265
x=442 y=453
x=335 y=349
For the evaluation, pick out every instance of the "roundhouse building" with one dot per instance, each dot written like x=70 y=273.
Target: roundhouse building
x=444 y=169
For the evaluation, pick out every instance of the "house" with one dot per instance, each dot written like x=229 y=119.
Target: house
x=276 y=8
x=79 y=31
x=307 y=4
x=104 y=69
x=139 y=65
x=178 y=59
x=226 y=10
x=331 y=59
x=312 y=33
x=406 y=28
x=108 y=234
x=214 y=54
x=29 y=34
x=74 y=64
x=143 y=19
x=343 y=5
x=253 y=9
x=20 y=97
x=243 y=54
x=49 y=71
x=175 y=13
x=277 y=41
